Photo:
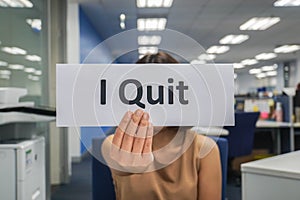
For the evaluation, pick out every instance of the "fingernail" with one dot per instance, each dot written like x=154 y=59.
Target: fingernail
x=145 y=116
x=139 y=112
x=129 y=113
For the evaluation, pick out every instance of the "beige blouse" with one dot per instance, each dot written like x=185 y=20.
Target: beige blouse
x=178 y=180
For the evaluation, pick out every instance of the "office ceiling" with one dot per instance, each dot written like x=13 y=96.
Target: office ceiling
x=206 y=21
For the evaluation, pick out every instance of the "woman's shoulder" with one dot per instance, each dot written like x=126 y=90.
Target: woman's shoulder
x=201 y=139
x=203 y=144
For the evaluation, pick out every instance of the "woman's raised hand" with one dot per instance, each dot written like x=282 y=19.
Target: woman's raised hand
x=132 y=142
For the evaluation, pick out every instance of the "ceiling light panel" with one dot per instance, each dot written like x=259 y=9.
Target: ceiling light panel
x=3 y=63
x=261 y=75
x=2 y=76
x=33 y=78
x=38 y=72
x=122 y=17
x=122 y=21
x=265 y=56
x=217 y=49
x=5 y=72
x=249 y=62
x=255 y=71
x=154 y=3
x=205 y=56
x=269 y=68
x=198 y=62
x=151 y=24
x=287 y=48
x=122 y=25
x=33 y=58
x=238 y=66
x=259 y=23
x=147 y=50
x=36 y=24
x=16 y=3
x=286 y=3
x=149 y=40
x=29 y=70
x=271 y=73
x=234 y=39
x=16 y=66
x=14 y=50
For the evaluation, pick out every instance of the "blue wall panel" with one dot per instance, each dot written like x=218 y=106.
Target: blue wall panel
x=89 y=39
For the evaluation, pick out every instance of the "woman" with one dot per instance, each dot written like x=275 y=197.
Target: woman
x=194 y=174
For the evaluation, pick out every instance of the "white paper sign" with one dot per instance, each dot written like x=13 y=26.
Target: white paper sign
x=173 y=94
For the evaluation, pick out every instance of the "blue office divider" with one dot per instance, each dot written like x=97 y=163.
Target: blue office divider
x=223 y=148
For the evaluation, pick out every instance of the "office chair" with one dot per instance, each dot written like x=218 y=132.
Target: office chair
x=241 y=136
x=223 y=149
x=102 y=183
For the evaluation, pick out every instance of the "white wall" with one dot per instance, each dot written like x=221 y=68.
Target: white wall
x=248 y=83
x=295 y=74
x=298 y=71
x=55 y=150
x=56 y=54
x=245 y=83
x=73 y=56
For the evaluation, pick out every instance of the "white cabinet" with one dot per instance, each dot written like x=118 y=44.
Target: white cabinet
x=22 y=169
x=274 y=178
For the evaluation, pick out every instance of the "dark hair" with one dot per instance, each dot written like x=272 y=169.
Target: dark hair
x=298 y=86
x=160 y=57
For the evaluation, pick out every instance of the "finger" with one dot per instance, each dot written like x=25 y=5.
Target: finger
x=134 y=122
x=131 y=130
x=119 y=133
x=137 y=116
x=139 y=139
x=125 y=120
x=148 y=141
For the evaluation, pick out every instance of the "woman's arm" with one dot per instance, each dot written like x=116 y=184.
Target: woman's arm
x=210 y=175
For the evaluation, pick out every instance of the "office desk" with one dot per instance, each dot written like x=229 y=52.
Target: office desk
x=273 y=178
x=272 y=124
x=211 y=131
x=276 y=127
x=18 y=117
x=297 y=125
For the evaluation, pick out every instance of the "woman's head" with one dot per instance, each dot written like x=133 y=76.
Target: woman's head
x=160 y=57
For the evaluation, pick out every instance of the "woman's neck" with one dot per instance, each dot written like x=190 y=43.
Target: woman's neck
x=163 y=137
